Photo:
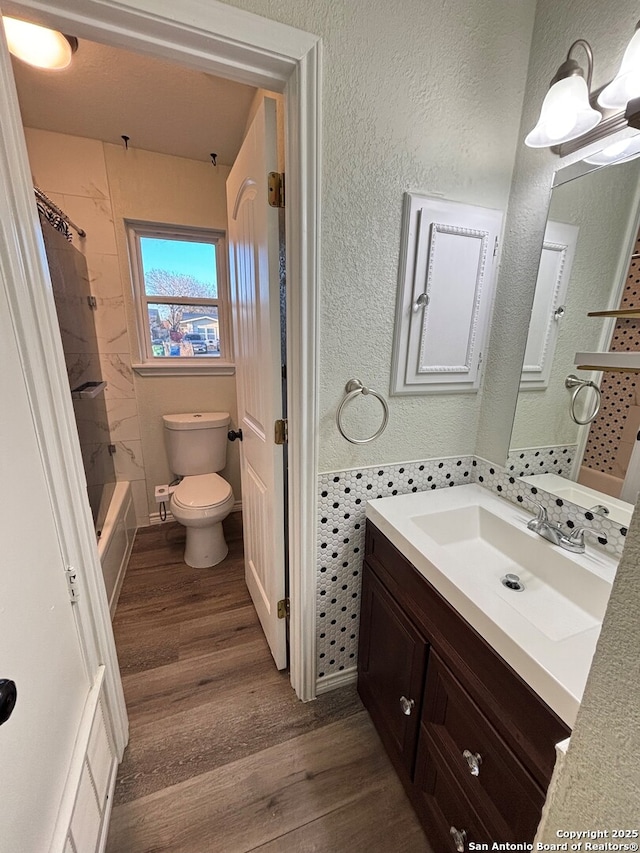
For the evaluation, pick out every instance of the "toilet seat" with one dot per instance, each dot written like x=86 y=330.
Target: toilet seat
x=202 y=491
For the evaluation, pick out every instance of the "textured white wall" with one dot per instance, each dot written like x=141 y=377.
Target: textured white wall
x=601 y=204
x=417 y=96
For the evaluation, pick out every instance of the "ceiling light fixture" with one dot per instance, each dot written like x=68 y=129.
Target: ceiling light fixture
x=626 y=84
x=39 y=46
x=566 y=112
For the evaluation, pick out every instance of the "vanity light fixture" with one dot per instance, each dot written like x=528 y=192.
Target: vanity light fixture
x=626 y=84
x=39 y=46
x=620 y=151
x=566 y=112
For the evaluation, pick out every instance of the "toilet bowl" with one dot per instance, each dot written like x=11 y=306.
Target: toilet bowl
x=201 y=502
x=196 y=445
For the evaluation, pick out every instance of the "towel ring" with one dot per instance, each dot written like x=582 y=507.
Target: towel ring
x=578 y=385
x=352 y=389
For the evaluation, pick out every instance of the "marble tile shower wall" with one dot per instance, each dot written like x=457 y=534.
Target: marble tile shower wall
x=341 y=516
x=72 y=172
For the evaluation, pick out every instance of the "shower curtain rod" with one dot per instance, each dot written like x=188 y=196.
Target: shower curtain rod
x=55 y=209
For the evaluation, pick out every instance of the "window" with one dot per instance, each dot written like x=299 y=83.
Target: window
x=180 y=289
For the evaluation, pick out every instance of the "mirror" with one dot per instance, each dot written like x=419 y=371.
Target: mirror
x=590 y=263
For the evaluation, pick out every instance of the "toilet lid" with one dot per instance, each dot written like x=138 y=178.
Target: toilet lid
x=202 y=490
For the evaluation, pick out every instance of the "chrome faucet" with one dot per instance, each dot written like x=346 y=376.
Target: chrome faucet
x=573 y=541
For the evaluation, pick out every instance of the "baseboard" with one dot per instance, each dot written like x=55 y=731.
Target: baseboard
x=154 y=517
x=336 y=680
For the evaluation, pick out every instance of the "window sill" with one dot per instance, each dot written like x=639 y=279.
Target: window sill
x=193 y=367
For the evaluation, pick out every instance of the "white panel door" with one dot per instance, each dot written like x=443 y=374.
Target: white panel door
x=255 y=296
x=39 y=643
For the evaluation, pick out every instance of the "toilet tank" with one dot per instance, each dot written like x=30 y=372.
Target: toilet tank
x=196 y=442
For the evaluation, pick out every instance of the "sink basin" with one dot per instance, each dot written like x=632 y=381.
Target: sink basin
x=619 y=511
x=464 y=540
x=560 y=597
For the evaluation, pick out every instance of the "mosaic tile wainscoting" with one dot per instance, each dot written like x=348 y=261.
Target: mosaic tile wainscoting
x=341 y=507
x=507 y=485
x=341 y=526
x=542 y=460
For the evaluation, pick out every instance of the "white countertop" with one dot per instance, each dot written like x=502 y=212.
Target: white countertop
x=544 y=634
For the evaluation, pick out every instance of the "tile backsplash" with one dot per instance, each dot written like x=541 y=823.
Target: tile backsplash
x=341 y=525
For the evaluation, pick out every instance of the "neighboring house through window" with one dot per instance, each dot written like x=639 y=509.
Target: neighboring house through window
x=180 y=288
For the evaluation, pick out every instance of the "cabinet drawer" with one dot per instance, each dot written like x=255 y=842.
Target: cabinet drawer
x=391 y=670
x=442 y=805
x=501 y=791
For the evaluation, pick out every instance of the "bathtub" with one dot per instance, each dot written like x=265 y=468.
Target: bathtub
x=116 y=541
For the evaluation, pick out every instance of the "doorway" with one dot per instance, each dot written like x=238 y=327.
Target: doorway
x=243 y=47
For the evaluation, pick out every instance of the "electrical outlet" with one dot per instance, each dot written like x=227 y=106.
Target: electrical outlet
x=163 y=493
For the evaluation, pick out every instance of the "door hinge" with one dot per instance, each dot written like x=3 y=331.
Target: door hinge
x=281 y=431
x=93 y=302
x=283 y=608
x=72 y=584
x=495 y=248
x=275 y=183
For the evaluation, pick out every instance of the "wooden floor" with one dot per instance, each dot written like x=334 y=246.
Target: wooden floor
x=223 y=758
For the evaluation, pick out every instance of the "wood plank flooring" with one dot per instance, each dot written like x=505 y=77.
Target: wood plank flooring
x=223 y=757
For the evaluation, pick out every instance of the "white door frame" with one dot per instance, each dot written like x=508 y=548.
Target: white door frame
x=241 y=46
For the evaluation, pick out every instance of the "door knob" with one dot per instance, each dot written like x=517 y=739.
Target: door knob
x=8 y=696
x=234 y=433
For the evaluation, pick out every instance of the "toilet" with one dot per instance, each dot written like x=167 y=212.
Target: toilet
x=197 y=448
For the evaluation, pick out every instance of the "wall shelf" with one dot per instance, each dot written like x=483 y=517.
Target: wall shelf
x=625 y=313
x=627 y=362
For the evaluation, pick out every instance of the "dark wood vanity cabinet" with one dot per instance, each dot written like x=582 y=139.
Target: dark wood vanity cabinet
x=472 y=743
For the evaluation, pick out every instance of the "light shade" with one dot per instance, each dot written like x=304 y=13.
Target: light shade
x=626 y=84
x=618 y=152
x=36 y=45
x=566 y=114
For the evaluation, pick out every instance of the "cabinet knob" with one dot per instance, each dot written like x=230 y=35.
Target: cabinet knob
x=421 y=302
x=459 y=838
x=407 y=705
x=474 y=760
x=8 y=696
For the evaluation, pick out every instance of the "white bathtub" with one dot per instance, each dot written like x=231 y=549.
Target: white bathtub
x=116 y=541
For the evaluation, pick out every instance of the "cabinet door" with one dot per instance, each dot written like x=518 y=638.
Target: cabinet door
x=450 y=821
x=445 y=293
x=391 y=669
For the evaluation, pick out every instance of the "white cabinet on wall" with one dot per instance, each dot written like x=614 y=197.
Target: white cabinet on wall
x=445 y=293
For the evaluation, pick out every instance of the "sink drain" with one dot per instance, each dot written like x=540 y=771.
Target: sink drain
x=512 y=582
